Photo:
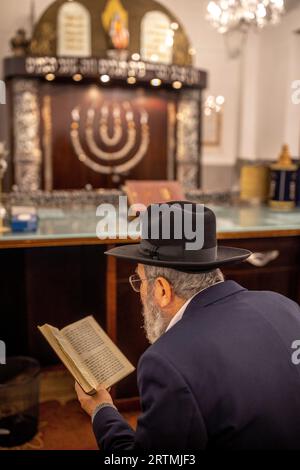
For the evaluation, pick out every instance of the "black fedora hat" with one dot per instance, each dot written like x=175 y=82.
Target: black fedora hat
x=164 y=241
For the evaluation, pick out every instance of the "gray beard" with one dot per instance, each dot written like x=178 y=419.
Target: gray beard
x=155 y=323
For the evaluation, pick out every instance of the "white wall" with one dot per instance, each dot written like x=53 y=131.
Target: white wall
x=267 y=118
x=223 y=72
x=279 y=65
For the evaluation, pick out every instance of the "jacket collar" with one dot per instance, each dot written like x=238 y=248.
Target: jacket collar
x=214 y=294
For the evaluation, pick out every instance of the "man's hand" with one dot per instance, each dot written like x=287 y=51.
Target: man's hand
x=90 y=403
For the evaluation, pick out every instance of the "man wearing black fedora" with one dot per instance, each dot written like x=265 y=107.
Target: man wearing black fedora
x=219 y=371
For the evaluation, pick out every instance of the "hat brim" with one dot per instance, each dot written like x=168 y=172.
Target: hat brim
x=225 y=255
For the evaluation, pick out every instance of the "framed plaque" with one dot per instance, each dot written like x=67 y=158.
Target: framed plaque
x=157 y=38
x=74 y=31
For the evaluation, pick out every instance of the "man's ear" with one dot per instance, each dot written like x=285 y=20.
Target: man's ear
x=162 y=292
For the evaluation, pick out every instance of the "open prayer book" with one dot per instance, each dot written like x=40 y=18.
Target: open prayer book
x=88 y=353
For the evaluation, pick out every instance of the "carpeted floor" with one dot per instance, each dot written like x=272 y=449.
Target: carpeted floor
x=63 y=424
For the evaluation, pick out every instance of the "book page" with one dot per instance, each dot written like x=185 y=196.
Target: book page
x=97 y=353
x=67 y=355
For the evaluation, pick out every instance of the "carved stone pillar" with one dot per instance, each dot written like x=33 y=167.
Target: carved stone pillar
x=27 y=146
x=188 y=140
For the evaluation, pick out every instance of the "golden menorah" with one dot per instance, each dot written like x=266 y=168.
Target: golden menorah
x=123 y=141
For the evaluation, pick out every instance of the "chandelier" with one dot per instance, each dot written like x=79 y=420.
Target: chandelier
x=228 y=15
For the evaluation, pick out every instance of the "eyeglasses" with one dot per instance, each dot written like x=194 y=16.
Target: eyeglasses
x=136 y=282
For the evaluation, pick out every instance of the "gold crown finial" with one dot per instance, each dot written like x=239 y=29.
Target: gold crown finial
x=285 y=161
x=285 y=158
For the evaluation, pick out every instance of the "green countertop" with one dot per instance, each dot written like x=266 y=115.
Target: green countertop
x=58 y=227
x=239 y=219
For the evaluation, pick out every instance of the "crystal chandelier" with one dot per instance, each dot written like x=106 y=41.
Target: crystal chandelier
x=213 y=104
x=228 y=15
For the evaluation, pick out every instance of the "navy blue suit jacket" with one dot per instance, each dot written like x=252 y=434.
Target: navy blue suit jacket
x=221 y=378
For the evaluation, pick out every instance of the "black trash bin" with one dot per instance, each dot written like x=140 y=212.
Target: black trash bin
x=19 y=401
